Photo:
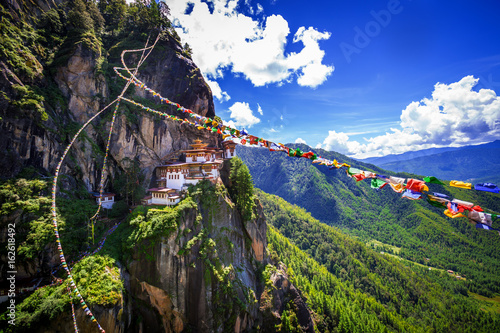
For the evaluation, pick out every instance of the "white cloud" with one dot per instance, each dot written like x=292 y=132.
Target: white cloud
x=243 y=115
x=260 y=9
x=455 y=115
x=217 y=92
x=229 y=123
x=339 y=142
x=228 y=40
x=300 y=140
x=259 y=110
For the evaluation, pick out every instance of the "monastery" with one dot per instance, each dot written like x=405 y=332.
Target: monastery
x=173 y=177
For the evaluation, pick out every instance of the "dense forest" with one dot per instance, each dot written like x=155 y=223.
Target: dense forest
x=355 y=289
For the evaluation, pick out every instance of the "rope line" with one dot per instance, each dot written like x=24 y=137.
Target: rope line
x=58 y=168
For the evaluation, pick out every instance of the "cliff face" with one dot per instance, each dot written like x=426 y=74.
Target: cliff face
x=29 y=142
x=211 y=275
x=205 y=276
x=210 y=284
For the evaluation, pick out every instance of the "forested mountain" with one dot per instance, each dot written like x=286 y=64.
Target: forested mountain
x=421 y=231
x=203 y=265
x=471 y=163
x=353 y=288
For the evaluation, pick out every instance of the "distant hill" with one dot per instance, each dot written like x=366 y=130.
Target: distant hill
x=479 y=163
x=405 y=156
x=424 y=234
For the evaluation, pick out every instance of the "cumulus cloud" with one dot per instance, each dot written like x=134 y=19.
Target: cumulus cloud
x=243 y=115
x=217 y=91
x=339 y=142
x=455 y=115
x=300 y=140
x=223 y=39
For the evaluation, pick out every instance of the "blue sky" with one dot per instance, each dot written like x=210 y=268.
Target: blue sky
x=362 y=78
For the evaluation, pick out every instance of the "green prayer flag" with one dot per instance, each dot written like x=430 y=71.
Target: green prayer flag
x=432 y=180
x=376 y=183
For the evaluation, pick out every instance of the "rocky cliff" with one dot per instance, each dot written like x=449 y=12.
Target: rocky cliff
x=210 y=272
x=27 y=141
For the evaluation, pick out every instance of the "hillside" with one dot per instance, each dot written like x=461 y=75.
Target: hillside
x=352 y=288
x=471 y=163
x=423 y=233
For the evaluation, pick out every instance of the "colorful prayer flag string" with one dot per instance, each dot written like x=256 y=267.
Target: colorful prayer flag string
x=413 y=189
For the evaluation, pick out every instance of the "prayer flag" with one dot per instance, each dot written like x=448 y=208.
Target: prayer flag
x=353 y=171
x=487 y=227
x=338 y=165
x=416 y=185
x=412 y=195
x=378 y=183
x=460 y=184
x=450 y=214
x=432 y=180
x=479 y=217
x=436 y=202
x=488 y=187
x=369 y=174
x=359 y=176
x=397 y=187
x=463 y=203
x=455 y=208
x=275 y=147
x=396 y=180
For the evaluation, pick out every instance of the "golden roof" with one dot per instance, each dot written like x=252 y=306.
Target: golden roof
x=198 y=144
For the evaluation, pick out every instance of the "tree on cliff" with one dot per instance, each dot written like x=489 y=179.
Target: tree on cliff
x=241 y=189
x=114 y=12
x=128 y=184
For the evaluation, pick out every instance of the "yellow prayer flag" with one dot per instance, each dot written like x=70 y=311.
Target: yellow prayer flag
x=397 y=187
x=450 y=214
x=460 y=184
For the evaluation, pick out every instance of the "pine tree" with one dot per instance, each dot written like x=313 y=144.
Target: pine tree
x=242 y=188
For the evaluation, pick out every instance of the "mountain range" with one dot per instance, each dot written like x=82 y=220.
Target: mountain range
x=478 y=163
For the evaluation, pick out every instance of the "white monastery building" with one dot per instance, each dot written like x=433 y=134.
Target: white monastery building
x=201 y=162
x=108 y=199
